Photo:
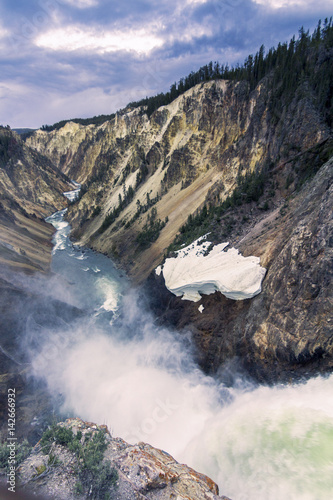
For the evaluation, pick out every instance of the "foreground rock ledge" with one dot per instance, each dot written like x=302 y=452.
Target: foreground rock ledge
x=143 y=471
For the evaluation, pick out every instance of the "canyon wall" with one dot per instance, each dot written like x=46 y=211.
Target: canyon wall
x=31 y=189
x=144 y=176
x=186 y=154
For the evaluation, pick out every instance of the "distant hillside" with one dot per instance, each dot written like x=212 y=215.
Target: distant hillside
x=31 y=188
x=220 y=138
x=24 y=131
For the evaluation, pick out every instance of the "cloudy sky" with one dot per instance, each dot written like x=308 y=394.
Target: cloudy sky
x=63 y=59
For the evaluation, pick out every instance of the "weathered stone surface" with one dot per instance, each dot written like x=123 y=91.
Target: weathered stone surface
x=28 y=179
x=144 y=472
x=287 y=329
x=30 y=189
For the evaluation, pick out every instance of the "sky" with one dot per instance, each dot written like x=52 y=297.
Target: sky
x=62 y=59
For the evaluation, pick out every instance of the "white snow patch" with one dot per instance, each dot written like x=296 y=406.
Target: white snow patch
x=201 y=308
x=198 y=270
x=158 y=270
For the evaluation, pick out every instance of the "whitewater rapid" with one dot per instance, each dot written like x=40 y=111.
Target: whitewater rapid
x=115 y=366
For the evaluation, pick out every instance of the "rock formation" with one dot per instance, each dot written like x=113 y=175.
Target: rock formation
x=137 y=471
x=287 y=329
x=31 y=188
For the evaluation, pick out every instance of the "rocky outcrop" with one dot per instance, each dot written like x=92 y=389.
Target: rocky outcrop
x=29 y=179
x=286 y=330
x=140 y=471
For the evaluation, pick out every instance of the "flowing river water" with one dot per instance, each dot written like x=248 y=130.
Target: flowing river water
x=115 y=366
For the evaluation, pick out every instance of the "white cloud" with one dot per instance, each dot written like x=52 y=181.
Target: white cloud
x=81 y=4
x=281 y=4
x=191 y=2
x=3 y=32
x=75 y=38
x=195 y=31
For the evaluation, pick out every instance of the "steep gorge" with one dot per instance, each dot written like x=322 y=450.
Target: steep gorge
x=187 y=154
x=144 y=176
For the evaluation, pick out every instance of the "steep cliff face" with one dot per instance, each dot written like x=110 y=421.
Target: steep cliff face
x=28 y=178
x=146 y=176
x=31 y=188
x=288 y=327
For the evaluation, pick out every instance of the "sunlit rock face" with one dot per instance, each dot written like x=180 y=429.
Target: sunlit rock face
x=198 y=270
x=185 y=154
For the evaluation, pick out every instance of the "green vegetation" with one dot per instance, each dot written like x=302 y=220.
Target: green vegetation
x=58 y=435
x=305 y=61
x=141 y=175
x=249 y=188
x=141 y=209
x=151 y=230
x=22 y=450
x=95 y=476
x=96 y=120
x=4 y=147
x=40 y=469
x=8 y=146
x=123 y=201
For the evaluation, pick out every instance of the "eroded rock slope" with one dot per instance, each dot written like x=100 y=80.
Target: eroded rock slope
x=145 y=176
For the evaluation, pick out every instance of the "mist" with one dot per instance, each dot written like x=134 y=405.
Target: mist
x=110 y=363
x=142 y=382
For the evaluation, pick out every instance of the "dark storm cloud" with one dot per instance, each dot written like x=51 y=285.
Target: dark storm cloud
x=67 y=58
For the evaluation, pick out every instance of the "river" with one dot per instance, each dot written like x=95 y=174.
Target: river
x=116 y=367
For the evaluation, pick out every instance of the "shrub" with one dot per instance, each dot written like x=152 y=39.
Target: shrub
x=22 y=450
x=94 y=475
x=58 y=435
